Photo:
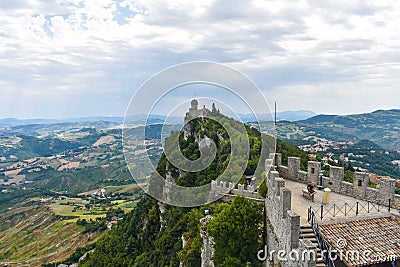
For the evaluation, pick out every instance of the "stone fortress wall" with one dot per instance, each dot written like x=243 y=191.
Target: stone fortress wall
x=283 y=226
x=358 y=189
x=222 y=188
x=282 y=223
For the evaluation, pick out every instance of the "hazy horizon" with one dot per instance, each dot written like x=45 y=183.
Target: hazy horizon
x=157 y=114
x=67 y=59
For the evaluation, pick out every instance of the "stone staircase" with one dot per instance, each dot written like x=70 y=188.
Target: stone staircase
x=306 y=232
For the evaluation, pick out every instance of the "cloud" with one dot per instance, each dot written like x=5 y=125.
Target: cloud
x=62 y=50
x=325 y=97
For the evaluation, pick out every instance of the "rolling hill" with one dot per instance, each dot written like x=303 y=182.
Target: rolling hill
x=381 y=126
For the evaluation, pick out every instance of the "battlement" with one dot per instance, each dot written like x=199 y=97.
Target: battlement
x=358 y=189
x=195 y=112
x=221 y=187
x=278 y=206
x=283 y=224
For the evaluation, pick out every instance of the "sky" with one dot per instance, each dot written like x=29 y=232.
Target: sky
x=74 y=58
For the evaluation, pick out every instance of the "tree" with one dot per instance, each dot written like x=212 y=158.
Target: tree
x=236 y=232
x=348 y=176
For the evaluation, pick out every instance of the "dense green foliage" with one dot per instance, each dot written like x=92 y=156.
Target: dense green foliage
x=143 y=240
x=153 y=234
x=76 y=255
x=120 y=246
x=223 y=166
x=150 y=237
x=237 y=231
x=288 y=150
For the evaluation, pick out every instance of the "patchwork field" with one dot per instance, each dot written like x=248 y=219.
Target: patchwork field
x=37 y=235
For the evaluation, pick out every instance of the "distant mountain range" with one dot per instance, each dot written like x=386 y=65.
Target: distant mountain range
x=155 y=118
x=17 y=122
x=381 y=127
x=285 y=115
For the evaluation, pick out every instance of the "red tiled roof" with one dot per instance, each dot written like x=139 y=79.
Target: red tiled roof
x=379 y=236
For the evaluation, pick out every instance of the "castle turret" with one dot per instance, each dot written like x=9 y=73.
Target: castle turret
x=193 y=113
x=194 y=104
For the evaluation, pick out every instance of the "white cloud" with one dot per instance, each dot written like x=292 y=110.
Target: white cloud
x=107 y=48
x=343 y=98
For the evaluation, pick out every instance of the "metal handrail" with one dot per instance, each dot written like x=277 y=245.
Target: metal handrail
x=355 y=209
x=324 y=247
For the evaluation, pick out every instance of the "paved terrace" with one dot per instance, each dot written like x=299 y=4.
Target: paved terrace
x=343 y=204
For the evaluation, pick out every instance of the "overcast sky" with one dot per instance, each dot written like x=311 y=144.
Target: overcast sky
x=72 y=58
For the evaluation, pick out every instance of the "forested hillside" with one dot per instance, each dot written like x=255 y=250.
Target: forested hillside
x=155 y=234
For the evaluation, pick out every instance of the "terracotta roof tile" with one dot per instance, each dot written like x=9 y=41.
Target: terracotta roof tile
x=380 y=236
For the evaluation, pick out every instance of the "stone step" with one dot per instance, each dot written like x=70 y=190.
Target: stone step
x=308 y=235
x=320 y=262
x=306 y=230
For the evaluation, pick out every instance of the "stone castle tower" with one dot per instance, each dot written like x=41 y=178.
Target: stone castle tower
x=194 y=112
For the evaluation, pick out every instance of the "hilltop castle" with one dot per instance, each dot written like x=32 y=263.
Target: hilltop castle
x=193 y=113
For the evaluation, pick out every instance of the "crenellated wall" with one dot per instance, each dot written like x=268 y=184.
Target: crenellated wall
x=396 y=200
x=283 y=171
x=387 y=188
x=371 y=194
x=314 y=168
x=302 y=176
x=294 y=168
x=346 y=189
x=220 y=187
x=336 y=175
x=358 y=189
x=360 y=185
x=283 y=225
